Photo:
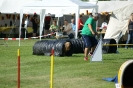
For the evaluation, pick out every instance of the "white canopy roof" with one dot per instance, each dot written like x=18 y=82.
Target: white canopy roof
x=13 y=6
x=110 y=6
x=56 y=6
x=60 y=3
x=118 y=23
x=1 y=1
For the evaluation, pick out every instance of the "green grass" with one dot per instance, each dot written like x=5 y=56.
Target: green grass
x=69 y=72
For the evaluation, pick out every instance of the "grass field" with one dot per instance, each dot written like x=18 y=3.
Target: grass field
x=69 y=72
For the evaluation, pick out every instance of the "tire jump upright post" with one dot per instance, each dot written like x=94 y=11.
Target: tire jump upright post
x=52 y=68
x=18 y=79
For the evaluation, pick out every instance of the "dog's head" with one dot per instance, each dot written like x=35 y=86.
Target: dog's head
x=67 y=46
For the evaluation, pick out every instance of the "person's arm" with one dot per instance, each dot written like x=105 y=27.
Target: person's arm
x=90 y=27
x=57 y=28
x=81 y=23
x=50 y=27
x=128 y=25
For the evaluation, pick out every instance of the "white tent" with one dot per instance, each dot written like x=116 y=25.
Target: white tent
x=1 y=1
x=57 y=5
x=13 y=6
x=107 y=6
x=118 y=22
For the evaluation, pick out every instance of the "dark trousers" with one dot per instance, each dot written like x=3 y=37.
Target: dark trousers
x=71 y=35
x=131 y=36
x=23 y=32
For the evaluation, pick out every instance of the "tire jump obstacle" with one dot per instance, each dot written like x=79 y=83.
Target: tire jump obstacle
x=67 y=47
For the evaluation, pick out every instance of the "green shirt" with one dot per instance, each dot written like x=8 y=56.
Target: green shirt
x=86 y=30
x=53 y=27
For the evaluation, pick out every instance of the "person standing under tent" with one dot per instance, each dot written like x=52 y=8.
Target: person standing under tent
x=88 y=35
x=34 y=24
x=130 y=31
x=22 y=35
x=73 y=24
x=47 y=24
x=26 y=22
x=104 y=27
x=80 y=26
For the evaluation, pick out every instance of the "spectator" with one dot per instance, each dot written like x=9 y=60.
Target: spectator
x=47 y=24
x=130 y=31
x=104 y=26
x=68 y=29
x=34 y=24
x=73 y=24
x=88 y=35
x=23 y=29
x=54 y=28
x=80 y=26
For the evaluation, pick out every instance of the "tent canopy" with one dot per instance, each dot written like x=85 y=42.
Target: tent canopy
x=108 y=6
x=1 y=1
x=58 y=6
x=13 y=6
x=60 y=3
x=118 y=23
x=63 y=6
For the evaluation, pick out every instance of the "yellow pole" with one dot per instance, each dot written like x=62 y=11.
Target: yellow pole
x=52 y=68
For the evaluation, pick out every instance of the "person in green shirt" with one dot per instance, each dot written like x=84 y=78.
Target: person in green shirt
x=88 y=35
x=54 y=27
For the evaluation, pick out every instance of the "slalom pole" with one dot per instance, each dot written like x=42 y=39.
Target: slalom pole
x=18 y=82
x=52 y=68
